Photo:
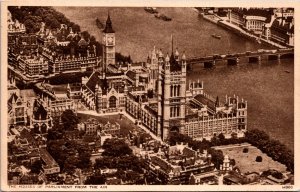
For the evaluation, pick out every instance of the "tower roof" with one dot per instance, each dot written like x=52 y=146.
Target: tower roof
x=108 y=27
x=175 y=66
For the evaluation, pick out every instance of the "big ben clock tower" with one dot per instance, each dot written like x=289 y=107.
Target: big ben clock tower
x=108 y=43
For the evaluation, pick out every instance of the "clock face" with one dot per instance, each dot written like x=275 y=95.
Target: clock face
x=110 y=40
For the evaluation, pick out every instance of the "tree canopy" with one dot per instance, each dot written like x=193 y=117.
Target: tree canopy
x=69 y=119
x=116 y=147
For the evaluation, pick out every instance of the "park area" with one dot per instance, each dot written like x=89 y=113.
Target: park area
x=246 y=161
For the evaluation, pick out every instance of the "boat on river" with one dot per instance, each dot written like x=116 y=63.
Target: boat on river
x=163 y=17
x=216 y=36
x=151 y=10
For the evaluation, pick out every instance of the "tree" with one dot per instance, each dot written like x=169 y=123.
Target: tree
x=258 y=159
x=123 y=59
x=116 y=147
x=104 y=162
x=54 y=134
x=70 y=164
x=86 y=36
x=215 y=141
x=75 y=28
x=232 y=162
x=93 y=40
x=176 y=137
x=221 y=137
x=277 y=175
x=51 y=21
x=84 y=157
x=36 y=167
x=32 y=24
x=245 y=150
x=217 y=157
x=96 y=180
x=54 y=147
x=69 y=119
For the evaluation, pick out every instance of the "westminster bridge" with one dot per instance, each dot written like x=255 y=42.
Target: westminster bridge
x=246 y=57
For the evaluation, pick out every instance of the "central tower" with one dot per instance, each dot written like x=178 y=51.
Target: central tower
x=109 y=44
x=172 y=93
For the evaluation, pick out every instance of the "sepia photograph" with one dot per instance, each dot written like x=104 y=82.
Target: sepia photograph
x=151 y=96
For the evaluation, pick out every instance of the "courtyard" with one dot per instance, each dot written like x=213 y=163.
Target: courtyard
x=246 y=161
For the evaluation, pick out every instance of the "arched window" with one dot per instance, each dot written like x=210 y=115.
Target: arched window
x=112 y=102
x=44 y=128
x=36 y=128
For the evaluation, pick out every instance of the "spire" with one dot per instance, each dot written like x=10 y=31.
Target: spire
x=160 y=54
x=217 y=104
x=108 y=26
x=125 y=89
x=167 y=58
x=99 y=89
x=172 y=42
x=176 y=52
x=183 y=56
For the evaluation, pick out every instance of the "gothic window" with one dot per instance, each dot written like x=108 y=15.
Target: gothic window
x=172 y=111
x=36 y=128
x=178 y=89
x=171 y=90
x=112 y=102
x=44 y=128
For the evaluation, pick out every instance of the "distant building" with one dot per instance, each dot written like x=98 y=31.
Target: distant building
x=33 y=66
x=104 y=93
x=92 y=126
x=103 y=137
x=50 y=166
x=272 y=24
x=17 y=110
x=14 y=26
x=252 y=19
x=177 y=164
x=282 y=31
x=206 y=178
x=41 y=119
x=69 y=63
x=111 y=128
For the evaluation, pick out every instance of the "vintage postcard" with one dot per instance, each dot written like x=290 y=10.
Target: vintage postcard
x=130 y=96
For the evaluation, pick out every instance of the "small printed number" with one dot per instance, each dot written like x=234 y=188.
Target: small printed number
x=287 y=187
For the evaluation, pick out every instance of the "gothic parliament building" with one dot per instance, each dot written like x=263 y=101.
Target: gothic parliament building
x=158 y=96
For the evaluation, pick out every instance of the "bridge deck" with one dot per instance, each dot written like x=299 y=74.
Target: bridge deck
x=248 y=54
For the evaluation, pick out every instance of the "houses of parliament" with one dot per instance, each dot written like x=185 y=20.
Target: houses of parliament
x=158 y=95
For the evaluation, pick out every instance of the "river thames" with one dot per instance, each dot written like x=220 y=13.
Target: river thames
x=268 y=87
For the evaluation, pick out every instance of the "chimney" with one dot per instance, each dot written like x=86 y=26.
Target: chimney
x=136 y=79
